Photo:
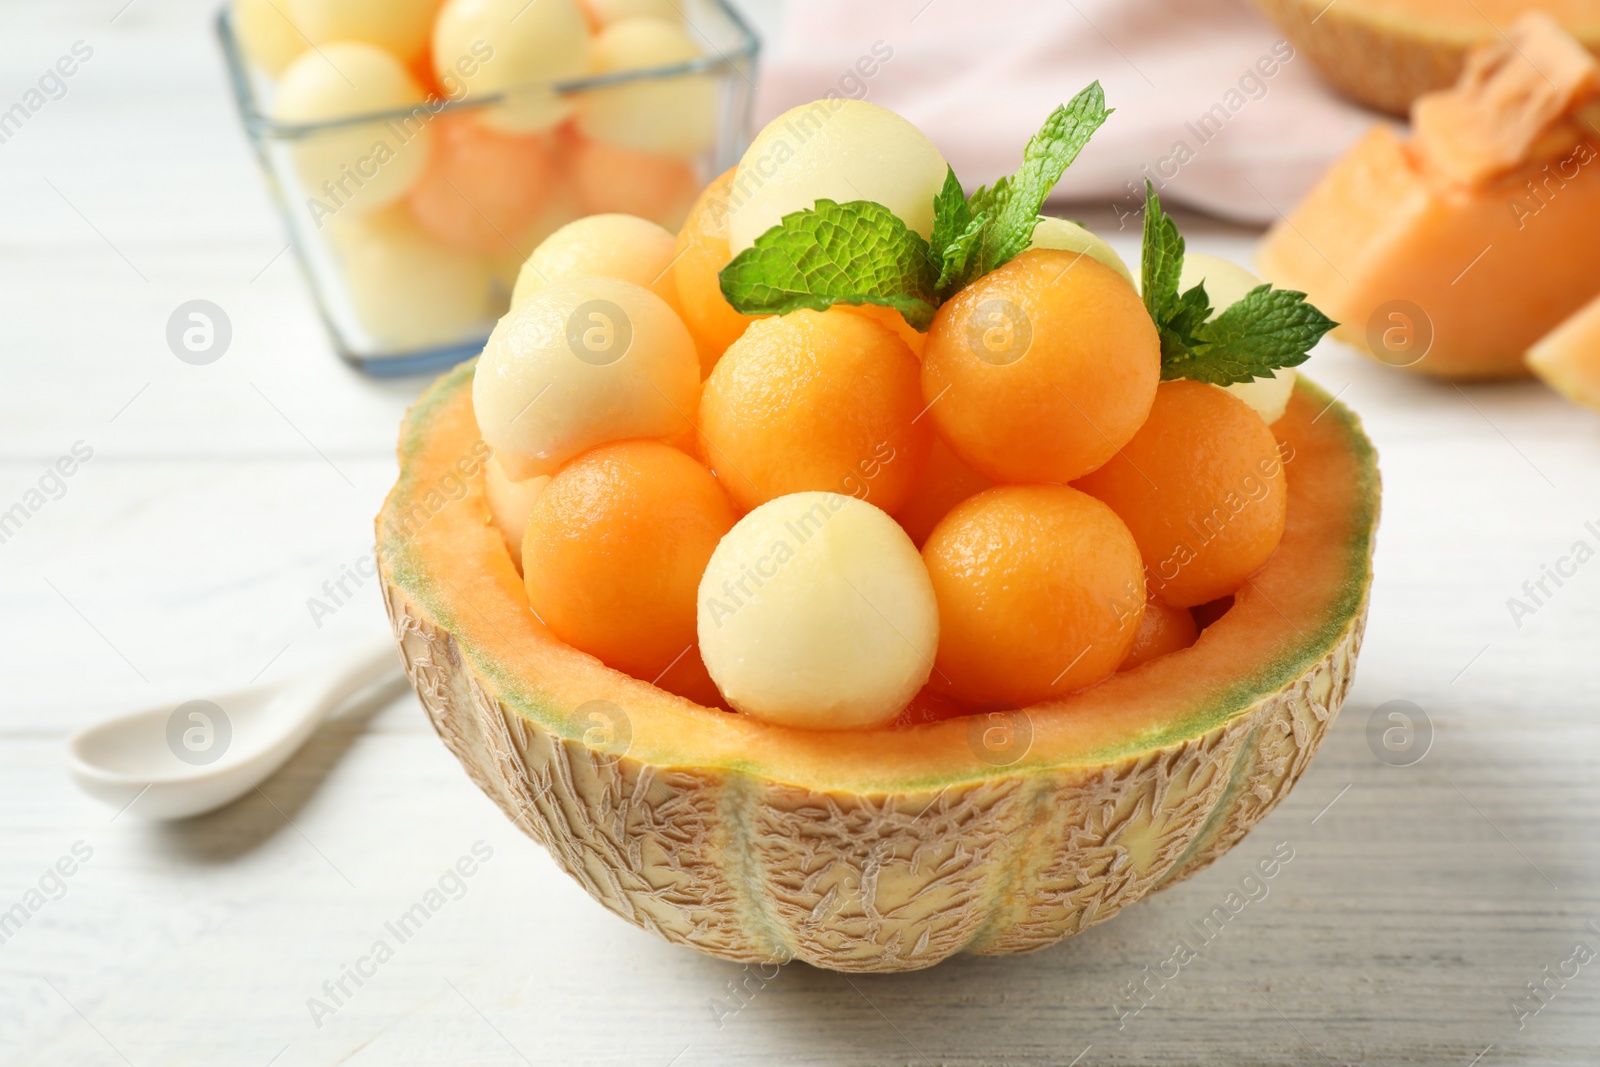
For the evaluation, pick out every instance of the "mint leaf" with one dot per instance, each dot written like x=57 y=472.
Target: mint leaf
x=955 y=235
x=853 y=253
x=951 y=213
x=1268 y=329
x=1013 y=204
x=1162 y=259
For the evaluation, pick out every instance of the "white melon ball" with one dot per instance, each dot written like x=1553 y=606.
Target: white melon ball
x=400 y=27
x=675 y=116
x=604 y=246
x=410 y=290
x=1226 y=284
x=816 y=611
x=365 y=166
x=267 y=37
x=838 y=150
x=603 y=13
x=513 y=47
x=580 y=363
x=510 y=503
x=1071 y=237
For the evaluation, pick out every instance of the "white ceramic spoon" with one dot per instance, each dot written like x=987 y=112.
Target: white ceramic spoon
x=177 y=760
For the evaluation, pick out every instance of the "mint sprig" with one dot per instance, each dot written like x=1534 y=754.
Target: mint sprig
x=861 y=253
x=1267 y=329
x=853 y=253
x=1010 y=209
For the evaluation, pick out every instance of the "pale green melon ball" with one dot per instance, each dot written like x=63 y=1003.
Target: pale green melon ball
x=516 y=48
x=603 y=13
x=816 y=611
x=1070 y=237
x=399 y=27
x=266 y=35
x=579 y=363
x=365 y=166
x=607 y=246
x=410 y=290
x=1226 y=284
x=510 y=503
x=835 y=149
x=675 y=116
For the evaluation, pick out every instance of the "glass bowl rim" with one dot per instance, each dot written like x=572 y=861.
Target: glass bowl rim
x=262 y=126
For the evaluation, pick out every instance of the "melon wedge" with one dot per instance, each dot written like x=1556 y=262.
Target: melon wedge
x=889 y=849
x=1386 y=53
x=1568 y=357
x=1453 y=252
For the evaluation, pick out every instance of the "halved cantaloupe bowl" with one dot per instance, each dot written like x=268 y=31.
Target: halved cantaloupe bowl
x=886 y=849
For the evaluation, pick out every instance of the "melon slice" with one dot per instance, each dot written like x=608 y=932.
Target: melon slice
x=887 y=849
x=1568 y=357
x=1453 y=252
x=1386 y=53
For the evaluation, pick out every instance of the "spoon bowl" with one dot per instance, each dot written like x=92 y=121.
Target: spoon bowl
x=173 y=761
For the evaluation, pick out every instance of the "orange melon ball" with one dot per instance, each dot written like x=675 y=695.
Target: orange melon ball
x=689 y=678
x=1201 y=485
x=944 y=482
x=1040 y=593
x=482 y=188
x=815 y=400
x=1163 y=629
x=1041 y=370
x=702 y=253
x=614 y=550
x=610 y=178
x=891 y=318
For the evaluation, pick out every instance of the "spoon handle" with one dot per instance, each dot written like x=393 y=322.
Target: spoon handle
x=378 y=659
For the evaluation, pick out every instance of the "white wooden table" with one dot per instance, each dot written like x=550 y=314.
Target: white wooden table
x=219 y=499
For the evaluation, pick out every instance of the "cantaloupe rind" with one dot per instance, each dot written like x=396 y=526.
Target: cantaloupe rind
x=879 y=850
x=1386 y=53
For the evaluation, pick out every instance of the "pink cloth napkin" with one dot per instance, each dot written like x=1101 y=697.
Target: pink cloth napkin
x=1212 y=103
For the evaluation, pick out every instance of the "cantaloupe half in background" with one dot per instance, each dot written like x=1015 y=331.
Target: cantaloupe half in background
x=1454 y=251
x=1568 y=357
x=884 y=849
x=1386 y=53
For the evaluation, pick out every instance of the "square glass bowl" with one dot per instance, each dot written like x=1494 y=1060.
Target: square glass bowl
x=416 y=283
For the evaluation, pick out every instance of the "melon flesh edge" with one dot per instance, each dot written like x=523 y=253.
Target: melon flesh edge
x=882 y=850
x=1568 y=358
x=1489 y=277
